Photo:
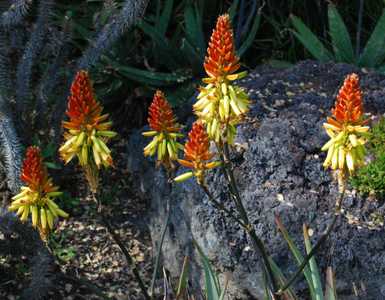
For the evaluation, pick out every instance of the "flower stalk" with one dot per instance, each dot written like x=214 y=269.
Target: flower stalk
x=87 y=131
x=221 y=104
x=345 y=151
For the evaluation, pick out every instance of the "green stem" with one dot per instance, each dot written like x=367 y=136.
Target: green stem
x=157 y=259
x=256 y=241
x=316 y=246
x=130 y=261
x=220 y=206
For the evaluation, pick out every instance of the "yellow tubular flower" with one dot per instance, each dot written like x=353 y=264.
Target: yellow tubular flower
x=346 y=129
x=221 y=105
x=88 y=130
x=37 y=198
x=165 y=132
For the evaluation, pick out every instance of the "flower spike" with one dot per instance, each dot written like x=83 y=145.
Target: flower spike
x=197 y=154
x=165 y=131
x=221 y=105
x=346 y=129
x=221 y=59
x=37 y=197
x=88 y=130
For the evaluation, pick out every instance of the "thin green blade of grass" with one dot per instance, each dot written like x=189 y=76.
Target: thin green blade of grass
x=223 y=293
x=297 y=255
x=374 y=49
x=211 y=281
x=310 y=41
x=313 y=266
x=330 y=285
x=183 y=278
x=340 y=37
x=266 y=293
x=289 y=293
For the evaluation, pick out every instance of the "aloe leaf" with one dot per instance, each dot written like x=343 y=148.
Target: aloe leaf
x=289 y=293
x=330 y=285
x=250 y=37
x=211 y=281
x=381 y=69
x=375 y=47
x=193 y=27
x=157 y=79
x=297 y=255
x=313 y=266
x=279 y=64
x=169 y=54
x=342 y=44
x=192 y=55
x=183 y=279
x=266 y=295
x=232 y=9
x=165 y=17
x=310 y=41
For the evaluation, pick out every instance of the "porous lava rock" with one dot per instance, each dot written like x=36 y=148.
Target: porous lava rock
x=278 y=167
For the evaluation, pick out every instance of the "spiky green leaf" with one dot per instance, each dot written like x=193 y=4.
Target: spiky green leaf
x=374 y=50
x=342 y=44
x=310 y=41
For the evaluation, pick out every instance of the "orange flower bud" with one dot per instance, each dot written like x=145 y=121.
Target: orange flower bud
x=165 y=131
x=348 y=107
x=160 y=115
x=34 y=172
x=197 y=152
x=83 y=109
x=221 y=59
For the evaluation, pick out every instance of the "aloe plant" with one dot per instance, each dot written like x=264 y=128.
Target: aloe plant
x=372 y=55
x=311 y=271
x=212 y=288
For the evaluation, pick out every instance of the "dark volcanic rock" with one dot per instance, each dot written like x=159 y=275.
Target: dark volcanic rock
x=279 y=171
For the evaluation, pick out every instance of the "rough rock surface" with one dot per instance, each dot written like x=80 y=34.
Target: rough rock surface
x=279 y=171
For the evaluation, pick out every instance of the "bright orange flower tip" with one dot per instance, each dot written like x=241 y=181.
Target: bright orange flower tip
x=160 y=115
x=197 y=148
x=221 y=59
x=33 y=173
x=83 y=109
x=348 y=107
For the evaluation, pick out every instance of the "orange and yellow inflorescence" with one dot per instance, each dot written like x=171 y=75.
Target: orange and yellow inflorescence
x=221 y=105
x=197 y=154
x=165 y=131
x=37 y=197
x=346 y=129
x=87 y=130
